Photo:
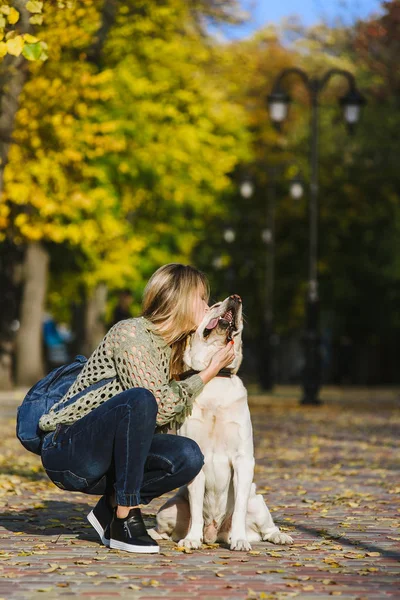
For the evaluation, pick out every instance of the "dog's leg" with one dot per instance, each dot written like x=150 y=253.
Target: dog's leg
x=196 y=490
x=260 y=524
x=173 y=518
x=242 y=480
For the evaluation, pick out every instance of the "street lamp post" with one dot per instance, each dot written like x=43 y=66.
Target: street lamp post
x=265 y=366
x=279 y=102
x=266 y=369
x=268 y=342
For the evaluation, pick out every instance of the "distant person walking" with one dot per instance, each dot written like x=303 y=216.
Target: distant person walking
x=106 y=435
x=122 y=310
x=55 y=344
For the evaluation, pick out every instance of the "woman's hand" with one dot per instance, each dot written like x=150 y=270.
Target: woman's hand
x=221 y=359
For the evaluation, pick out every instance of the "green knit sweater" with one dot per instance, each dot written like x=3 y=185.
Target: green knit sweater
x=130 y=355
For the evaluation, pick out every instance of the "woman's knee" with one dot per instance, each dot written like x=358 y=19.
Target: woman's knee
x=142 y=400
x=191 y=456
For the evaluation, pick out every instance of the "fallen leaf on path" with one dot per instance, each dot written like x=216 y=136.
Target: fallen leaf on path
x=82 y=562
x=151 y=582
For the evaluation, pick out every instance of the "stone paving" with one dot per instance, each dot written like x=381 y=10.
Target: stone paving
x=329 y=475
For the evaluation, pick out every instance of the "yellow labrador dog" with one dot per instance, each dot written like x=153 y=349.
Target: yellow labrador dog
x=221 y=503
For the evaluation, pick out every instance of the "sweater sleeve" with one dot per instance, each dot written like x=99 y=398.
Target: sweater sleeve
x=139 y=362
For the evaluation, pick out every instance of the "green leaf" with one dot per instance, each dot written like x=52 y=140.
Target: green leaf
x=32 y=51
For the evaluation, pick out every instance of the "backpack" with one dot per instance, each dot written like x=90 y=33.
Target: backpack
x=40 y=398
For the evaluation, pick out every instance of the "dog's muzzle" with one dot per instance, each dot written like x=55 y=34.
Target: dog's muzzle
x=226 y=321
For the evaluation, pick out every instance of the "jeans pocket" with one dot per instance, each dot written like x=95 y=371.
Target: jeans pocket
x=66 y=480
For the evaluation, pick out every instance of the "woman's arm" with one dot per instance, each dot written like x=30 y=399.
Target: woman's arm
x=140 y=361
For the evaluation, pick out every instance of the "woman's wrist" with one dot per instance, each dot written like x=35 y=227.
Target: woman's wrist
x=207 y=374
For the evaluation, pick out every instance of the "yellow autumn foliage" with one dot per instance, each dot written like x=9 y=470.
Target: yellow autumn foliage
x=121 y=160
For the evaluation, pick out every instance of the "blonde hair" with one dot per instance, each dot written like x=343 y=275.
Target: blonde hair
x=168 y=300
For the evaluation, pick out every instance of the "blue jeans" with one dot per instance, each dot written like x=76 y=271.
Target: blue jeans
x=114 y=447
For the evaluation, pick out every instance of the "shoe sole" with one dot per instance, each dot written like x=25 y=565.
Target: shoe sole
x=116 y=545
x=97 y=526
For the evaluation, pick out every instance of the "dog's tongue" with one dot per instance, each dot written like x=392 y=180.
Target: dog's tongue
x=213 y=323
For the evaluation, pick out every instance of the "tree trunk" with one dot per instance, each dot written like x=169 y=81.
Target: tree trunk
x=13 y=75
x=108 y=16
x=11 y=258
x=78 y=319
x=29 y=340
x=94 y=323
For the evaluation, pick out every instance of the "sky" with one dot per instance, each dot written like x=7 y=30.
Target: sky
x=263 y=12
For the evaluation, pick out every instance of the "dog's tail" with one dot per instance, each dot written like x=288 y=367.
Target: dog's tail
x=153 y=533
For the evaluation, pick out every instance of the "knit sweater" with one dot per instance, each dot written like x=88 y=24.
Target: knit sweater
x=130 y=355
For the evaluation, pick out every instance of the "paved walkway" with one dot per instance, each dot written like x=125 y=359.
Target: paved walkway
x=329 y=477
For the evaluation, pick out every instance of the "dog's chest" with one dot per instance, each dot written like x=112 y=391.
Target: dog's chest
x=220 y=416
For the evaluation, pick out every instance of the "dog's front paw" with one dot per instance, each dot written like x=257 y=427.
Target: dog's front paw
x=278 y=538
x=192 y=543
x=242 y=545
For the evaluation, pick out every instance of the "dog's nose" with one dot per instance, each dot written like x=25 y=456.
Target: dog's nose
x=236 y=298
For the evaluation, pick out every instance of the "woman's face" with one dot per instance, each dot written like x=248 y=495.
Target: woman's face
x=200 y=306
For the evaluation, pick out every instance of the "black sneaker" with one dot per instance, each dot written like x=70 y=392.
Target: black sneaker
x=130 y=534
x=100 y=518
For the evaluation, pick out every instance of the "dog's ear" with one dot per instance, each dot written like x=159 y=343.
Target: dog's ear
x=238 y=358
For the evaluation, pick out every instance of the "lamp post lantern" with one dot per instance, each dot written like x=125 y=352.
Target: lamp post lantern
x=279 y=102
x=351 y=104
x=229 y=235
x=246 y=189
x=296 y=187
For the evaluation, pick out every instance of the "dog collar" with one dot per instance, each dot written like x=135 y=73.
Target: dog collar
x=221 y=373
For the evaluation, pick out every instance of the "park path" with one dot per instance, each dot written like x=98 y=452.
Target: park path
x=330 y=476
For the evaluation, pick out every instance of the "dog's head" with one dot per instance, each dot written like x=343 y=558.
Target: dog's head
x=222 y=323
